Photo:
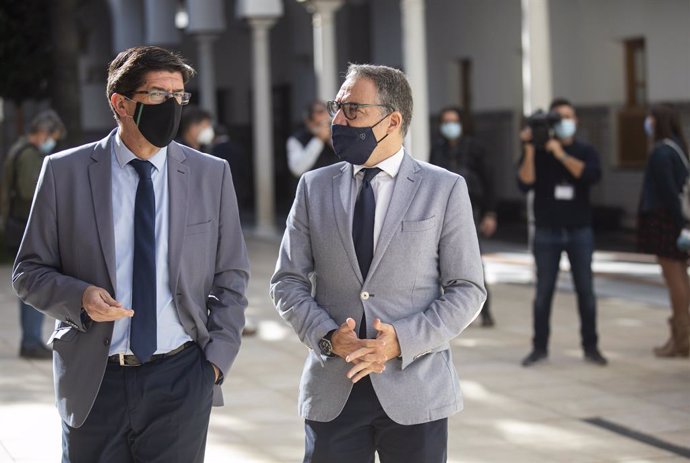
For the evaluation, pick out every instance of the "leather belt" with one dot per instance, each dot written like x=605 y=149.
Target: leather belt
x=132 y=361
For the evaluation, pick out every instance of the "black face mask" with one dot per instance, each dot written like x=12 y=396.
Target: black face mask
x=355 y=144
x=158 y=123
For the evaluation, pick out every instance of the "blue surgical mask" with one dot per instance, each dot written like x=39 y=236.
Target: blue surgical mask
x=565 y=128
x=451 y=130
x=354 y=144
x=648 y=126
x=48 y=145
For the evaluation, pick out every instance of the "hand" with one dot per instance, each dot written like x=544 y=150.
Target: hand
x=366 y=354
x=487 y=227
x=554 y=147
x=320 y=130
x=216 y=372
x=526 y=135
x=373 y=359
x=101 y=307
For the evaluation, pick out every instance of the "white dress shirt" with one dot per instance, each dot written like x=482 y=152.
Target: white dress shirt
x=170 y=332
x=382 y=185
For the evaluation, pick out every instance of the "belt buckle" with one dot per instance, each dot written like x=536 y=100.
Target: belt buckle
x=121 y=356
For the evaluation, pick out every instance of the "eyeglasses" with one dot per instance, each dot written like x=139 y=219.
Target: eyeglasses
x=350 y=110
x=160 y=96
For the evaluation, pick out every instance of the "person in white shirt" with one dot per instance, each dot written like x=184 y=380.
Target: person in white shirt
x=310 y=146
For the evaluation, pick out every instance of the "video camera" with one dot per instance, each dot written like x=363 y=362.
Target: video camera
x=542 y=124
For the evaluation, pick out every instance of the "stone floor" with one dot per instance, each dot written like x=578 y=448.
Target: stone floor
x=512 y=414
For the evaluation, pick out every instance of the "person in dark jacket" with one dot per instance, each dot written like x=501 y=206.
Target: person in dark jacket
x=462 y=154
x=561 y=175
x=20 y=175
x=660 y=219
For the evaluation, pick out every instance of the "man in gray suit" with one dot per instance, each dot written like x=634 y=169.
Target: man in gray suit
x=378 y=271
x=134 y=245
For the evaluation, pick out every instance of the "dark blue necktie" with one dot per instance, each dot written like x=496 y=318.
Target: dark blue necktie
x=363 y=230
x=143 y=340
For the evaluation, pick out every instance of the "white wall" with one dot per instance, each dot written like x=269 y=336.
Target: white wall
x=487 y=32
x=588 y=54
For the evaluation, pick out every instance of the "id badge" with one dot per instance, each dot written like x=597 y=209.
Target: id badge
x=564 y=192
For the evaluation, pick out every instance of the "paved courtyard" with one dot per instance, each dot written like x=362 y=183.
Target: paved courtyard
x=637 y=409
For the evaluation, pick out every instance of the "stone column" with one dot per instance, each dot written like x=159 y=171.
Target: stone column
x=206 y=23
x=263 y=127
x=537 y=78
x=160 y=22
x=261 y=15
x=127 y=23
x=325 y=50
x=414 y=61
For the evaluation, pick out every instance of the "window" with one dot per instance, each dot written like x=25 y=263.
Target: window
x=632 y=141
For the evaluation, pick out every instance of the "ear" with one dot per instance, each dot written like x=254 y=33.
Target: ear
x=395 y=122
x=117 y=101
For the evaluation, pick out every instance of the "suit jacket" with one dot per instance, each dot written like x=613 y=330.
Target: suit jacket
x=69 y=244
x=425 y=279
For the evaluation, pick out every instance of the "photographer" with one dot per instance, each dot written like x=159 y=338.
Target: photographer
x=561 y=171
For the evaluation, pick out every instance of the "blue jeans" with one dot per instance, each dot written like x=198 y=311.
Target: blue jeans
x=549 y=244
x=31 y=321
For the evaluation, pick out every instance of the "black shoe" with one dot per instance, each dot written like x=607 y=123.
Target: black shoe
x=38 y=352
x=595 y=357
x=487 y=321
x=534 y=357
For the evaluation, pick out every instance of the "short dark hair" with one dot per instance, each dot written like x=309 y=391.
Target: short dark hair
x=667 y=124
x=49 y=122
x=450 y=109
x=126 y=72
x=310 y=109
x=192 y=115
x=392 y=88
x=560 y=102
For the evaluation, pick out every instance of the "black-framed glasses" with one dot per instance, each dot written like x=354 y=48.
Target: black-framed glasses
x=350 y=110
x=160 y=96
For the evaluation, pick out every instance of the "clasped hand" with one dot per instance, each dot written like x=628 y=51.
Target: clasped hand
x=367 y=355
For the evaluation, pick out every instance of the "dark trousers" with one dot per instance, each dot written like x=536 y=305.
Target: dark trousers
x=363 y=428
x=549 y=244
x=32 y=324
x=158 y=412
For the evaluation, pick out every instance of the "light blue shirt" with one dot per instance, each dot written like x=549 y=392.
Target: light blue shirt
x=125 y=180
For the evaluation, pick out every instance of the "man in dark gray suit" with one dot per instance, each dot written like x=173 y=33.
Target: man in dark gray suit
x=378 y=271
x=134 y=245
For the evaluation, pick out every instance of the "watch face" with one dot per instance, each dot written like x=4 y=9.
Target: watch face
x=326 y=347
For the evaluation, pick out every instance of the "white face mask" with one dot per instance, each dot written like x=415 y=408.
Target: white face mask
x=206 y=136
x=565 y=128
x=451 y=130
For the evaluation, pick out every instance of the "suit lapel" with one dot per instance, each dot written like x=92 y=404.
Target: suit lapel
x=406 y=185
x=342 y=205
x=178 y=181
x=101 y=195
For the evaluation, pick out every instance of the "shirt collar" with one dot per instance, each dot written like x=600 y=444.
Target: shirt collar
x=124 y=155
x=390 y=165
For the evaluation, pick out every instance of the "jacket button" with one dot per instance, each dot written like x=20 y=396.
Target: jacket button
x=106 y=341
x=364 y=295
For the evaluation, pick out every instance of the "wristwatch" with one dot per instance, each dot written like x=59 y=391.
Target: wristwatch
x=325 y=344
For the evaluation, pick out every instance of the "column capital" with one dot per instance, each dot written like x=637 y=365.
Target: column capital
x=322 y=6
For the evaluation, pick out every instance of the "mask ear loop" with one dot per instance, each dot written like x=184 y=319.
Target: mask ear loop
x=372 y=128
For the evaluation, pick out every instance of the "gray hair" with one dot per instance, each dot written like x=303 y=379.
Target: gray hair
x=392 y=88
x=47 y=121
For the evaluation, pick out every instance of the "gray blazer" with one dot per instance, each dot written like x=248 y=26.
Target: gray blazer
x=425 y=279
x=69 y=244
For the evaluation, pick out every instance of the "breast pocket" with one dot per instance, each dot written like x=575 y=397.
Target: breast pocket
x=418 y=225
x=200 y=227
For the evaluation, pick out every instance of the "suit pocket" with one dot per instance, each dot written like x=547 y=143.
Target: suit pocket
x=196 y=228
x=63 y=334
x=418 y=225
